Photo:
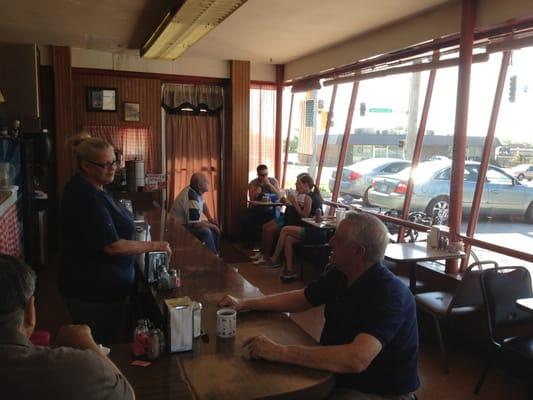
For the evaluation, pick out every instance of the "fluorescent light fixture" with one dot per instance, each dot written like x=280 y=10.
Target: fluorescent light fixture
x=189 y=22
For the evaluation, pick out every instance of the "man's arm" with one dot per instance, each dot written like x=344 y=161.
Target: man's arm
x=253 y=191
x=352 y=358
x=80 y=337
x=293 y=301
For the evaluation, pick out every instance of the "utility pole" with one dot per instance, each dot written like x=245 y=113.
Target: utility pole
x=412 y=116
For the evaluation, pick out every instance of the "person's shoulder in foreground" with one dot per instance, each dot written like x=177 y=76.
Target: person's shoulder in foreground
x=75 y=370
x=58 y=373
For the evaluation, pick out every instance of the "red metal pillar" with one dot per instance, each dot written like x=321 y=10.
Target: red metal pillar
x=326 y=136
x=344 y=147
x=287 y=144
x=280 y=74
x=485 y=158
x=418 y=147
x=461 y=118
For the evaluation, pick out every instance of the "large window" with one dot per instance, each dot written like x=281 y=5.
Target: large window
x=262 y=128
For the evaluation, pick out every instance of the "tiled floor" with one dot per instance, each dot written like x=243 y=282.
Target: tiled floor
x=465 y=363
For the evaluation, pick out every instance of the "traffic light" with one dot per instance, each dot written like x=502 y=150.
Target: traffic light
x=512 y=88
x=362 y=109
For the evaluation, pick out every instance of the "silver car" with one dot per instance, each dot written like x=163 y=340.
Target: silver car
x=357 y=178
x=502 y=194
x=522 y=171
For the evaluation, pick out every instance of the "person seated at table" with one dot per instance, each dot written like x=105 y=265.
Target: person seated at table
x=300 y=204
x=77 y=369
x=257 y=215
x=293 y=234
x=370 y=335
x=189 y=207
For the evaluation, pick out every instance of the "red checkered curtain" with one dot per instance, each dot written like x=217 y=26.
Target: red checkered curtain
x=10 y=232
x=135 y=143
x=262 y=128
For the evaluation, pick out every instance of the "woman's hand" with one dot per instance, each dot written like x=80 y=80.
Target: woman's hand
x=162 y=246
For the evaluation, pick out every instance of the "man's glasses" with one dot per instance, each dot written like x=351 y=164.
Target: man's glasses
x=107 y=165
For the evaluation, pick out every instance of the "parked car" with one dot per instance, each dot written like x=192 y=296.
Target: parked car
x=502 y=193
x=523 y=171
x=357 y=178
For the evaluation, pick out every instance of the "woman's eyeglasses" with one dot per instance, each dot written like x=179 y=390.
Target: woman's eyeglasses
x=107 y=165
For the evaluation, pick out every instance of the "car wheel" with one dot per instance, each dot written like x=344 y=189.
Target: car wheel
x=529 y=214
x=438 y=209
x=520 y=177
x=366 y=202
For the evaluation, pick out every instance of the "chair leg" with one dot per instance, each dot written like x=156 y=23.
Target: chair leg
x=482 y=377
x=441 y=344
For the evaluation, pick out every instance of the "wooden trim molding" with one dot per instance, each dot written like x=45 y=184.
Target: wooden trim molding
x=165 y=78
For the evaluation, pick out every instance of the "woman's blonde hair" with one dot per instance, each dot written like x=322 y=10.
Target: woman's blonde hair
x=88 y=148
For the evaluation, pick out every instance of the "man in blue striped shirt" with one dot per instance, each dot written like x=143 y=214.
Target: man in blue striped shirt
x=188 y=208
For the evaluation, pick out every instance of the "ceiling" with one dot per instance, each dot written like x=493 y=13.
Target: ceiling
x=262 y=31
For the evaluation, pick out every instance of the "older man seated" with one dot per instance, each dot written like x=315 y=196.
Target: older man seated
x=76 y=370
x=370 y=336
x=188 y=208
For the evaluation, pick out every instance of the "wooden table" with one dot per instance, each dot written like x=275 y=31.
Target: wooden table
x=216 y=369
x=525 y=304
x=411 y=253
x=328 y=223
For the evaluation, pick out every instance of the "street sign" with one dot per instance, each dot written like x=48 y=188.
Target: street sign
x=380 y=110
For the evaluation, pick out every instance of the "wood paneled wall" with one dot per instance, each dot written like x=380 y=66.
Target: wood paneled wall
x=236 y=146
x=63 y=111
x=145 y=91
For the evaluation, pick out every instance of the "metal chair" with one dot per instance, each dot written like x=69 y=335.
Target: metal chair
x=501 y=288
x=466 y=299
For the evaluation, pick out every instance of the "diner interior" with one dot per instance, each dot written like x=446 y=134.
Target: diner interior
x=436 y=92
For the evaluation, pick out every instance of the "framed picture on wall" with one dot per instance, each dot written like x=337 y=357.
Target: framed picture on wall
x=132 y=112
x=101 y=99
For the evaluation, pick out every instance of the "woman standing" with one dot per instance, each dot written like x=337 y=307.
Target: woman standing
x=96 y=271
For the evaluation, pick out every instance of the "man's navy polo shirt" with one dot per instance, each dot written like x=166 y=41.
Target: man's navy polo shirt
x=380 y=305
x=91 y=220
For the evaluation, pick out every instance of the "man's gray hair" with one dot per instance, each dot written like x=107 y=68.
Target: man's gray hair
x=17 y=285
x=368 y=231
x=197 y=178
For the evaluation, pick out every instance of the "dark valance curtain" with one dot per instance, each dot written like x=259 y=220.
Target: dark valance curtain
x=195 y=98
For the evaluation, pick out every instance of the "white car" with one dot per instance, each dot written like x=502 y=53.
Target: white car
x=523 y=171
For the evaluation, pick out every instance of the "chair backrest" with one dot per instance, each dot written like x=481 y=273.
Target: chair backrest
x=468 y=293
x=501 y=288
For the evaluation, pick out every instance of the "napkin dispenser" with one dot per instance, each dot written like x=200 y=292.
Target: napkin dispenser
x=180 y=324
x=435 y=234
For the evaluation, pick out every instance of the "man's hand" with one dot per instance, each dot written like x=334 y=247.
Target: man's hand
x=76 y=336
x=231 y=302
x=261 y=347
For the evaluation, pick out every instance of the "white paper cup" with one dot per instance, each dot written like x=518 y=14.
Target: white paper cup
x=340 y=213
x=226 y=323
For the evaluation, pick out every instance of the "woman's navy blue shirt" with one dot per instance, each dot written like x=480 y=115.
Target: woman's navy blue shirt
x=91 y=220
